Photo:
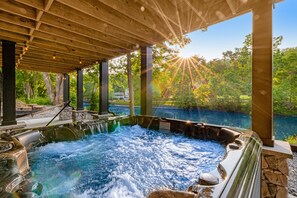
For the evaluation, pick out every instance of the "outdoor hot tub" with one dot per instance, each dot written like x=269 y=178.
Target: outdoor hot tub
x=140 y=156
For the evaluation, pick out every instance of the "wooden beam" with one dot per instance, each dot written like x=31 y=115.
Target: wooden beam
x=64 y=25
x=67 y=13
x=77 y=37
x=14 y=28
x=94 y=31
x=79 y=45
x=36 y=51
x=110 y=17
x=166 y=10
x=13 y=36
x=137 y=12
x=19 y=9
x=53 y=46
x=232 y=6
x=215 y=11
x=16 y=20
x=50 y=62
x=42 y=68
x=196 y=11
x=58 y=57
x=39 y=4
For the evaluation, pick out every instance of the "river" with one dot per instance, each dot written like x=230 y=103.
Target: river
x=283 y=125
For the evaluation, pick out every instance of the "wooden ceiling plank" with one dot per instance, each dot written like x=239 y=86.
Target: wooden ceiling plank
x=77 y=37
x=165 y=9
x=48 y=4
x=215 y=11
x=65 y=49
x=50 y=63
x=102 y=31
x=110 y=17
x=137 y=12
x=231 y=4
x=16 y=20
x=53 y=46
x=39 y=51
x=49 y=57
x=92 y=25
x=42 y=68
x=64 y=24
x=67 y=13
x=58 y=58
x=13 y=36
x=196 y=11
x=19 y=9
x=14 y=28
x=38 y=4
x=73 y=43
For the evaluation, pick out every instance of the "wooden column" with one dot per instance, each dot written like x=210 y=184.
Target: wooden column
x=130 y=84
x=103 y=88
x=79 y=89
x=66 y=88
x=262 y=102
x=146 y=80
x=8 y=71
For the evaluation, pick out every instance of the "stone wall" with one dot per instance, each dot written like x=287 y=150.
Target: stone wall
x=79 y=115
x=275 y=170
x=66 y=114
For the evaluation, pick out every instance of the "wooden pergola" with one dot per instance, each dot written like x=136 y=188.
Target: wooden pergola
x=62 y=36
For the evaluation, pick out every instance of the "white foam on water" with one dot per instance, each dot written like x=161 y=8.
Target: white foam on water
x=130 y=162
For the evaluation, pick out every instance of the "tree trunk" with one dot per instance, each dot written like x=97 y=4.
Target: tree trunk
x=130 y=84
x=49 y=86
x=59 y=89
x=28 y=90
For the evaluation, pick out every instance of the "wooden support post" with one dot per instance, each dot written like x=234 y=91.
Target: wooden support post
x=79 y=89
x=66 y=88
x=262 y=102
x=8 y=70
x=103 y=88
x=146 y=80
x=130 y=85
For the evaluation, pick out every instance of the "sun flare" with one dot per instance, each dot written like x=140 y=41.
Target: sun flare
x=186 y=53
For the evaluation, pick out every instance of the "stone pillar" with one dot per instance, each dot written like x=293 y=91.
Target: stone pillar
x=79 y=115
x=103 y=88
x=275 y=170
x=262 y=111
x=66 y=88
x=146 y=80
x=8 y=71
x=79 y=90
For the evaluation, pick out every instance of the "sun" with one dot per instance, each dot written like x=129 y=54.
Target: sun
x=186 y=52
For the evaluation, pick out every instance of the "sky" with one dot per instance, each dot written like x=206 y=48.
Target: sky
x=230 y=34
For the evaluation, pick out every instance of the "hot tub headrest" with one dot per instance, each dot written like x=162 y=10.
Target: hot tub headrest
x=228 y=135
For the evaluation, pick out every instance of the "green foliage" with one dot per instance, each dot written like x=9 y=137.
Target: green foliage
x=40 y=100
x=292 y=139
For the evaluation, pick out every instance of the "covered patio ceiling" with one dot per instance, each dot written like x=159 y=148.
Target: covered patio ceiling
x=78 y=33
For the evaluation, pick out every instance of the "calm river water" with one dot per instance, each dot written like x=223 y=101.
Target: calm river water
x=283 y=125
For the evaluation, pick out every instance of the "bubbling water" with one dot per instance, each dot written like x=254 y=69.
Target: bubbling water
x=130 y=162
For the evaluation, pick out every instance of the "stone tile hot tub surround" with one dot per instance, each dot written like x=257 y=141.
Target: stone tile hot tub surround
x=275 y=170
